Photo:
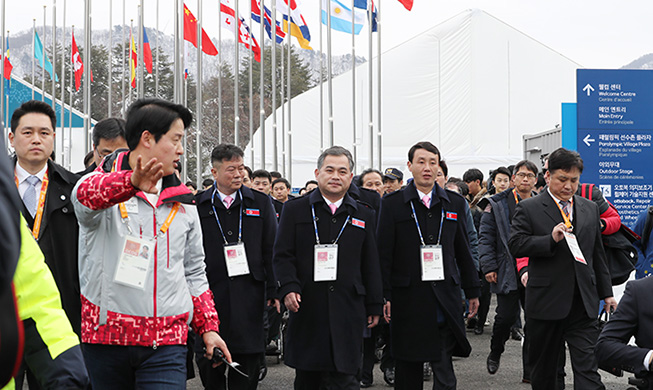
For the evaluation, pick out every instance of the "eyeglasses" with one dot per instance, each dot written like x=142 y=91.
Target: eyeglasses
x=522 y=175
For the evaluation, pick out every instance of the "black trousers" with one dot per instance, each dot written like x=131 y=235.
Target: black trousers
x=218 y=379
x=325 y=380
x=410 y=375
x=483 y=302
x=507 y=312
x=369 y=351
x=547 y=340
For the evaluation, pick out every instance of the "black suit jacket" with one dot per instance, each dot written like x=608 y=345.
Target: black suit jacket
x=634 y=317
x=58 y=239
x=553 y=274
x=414 y=302
x=240 y=300
x=326 y=334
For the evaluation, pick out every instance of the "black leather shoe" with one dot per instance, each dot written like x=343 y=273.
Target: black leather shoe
x=478 y=330
x=516 y=334
x=492 y=364
x=365 y=385
x=389 y=376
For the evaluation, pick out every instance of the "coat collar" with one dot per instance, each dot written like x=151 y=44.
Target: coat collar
x=551 y=209
x=437 y=194
x=315 y=197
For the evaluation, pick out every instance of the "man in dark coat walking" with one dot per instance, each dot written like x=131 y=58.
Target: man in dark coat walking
x=425 y=258
x=328 y=274
x=238 y=229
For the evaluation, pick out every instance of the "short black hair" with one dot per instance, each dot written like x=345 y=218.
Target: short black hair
x=423 y=145
x=444 y=167
x=261 y=173
x=462 y=186
x=336 y=151
x=541 y=182
x=249 y=171
x=565 y=159
x=109 y=128
x=310 y=182
x=226 y=152
x=368 y=171
x=192 y=184
x=502 y=170
x=275 y=174
x=155 y=116
x=207 y=182
x=33 y=106
x=528 y=164
x=88 y=159
x=281 y=180
x=473 y=174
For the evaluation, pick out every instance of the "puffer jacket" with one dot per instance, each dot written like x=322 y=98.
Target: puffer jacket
x=176 y=291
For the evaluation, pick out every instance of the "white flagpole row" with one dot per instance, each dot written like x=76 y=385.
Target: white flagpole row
x=273 y=33
x=273 y=65
x=236 y=70
x=288 y=173
x=70 y=103
x=283 y=102
x=140 y=62
x=87 y=75
x=370 y=80
x=219 y=76
x=43 y=57
x=321 y=81
x=353 y=84
x=379 y=144
x=251 y=87
x=63 y=89
x=329 y=83
x=198 y=97
x=124 y=63
x=110 y=62
x=33 y=51
x=54 y=56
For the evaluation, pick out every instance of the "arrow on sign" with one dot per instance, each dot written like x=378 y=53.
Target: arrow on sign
x=587 y=138
x=588 y=88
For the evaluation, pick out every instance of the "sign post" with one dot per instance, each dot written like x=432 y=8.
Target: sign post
x=615 y=129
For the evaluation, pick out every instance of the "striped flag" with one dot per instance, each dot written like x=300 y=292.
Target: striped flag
x=147 y=52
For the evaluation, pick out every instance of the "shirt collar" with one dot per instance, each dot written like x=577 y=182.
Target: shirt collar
x=571 y=200
x=422 y=194
x=337 y=203
x=222 y=195
x=22 y=174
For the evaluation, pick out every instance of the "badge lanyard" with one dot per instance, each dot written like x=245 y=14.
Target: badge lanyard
x=420 y=230
x=514 y=192
x=317 y=237
x=564 y=216
x=38 y=217
x=240 y=223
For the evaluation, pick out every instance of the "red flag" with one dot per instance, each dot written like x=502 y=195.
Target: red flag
x=228 y=22
x=190 y=33
x=8 y=68
x=78 y=65
x=147 y=53
x=407 y=3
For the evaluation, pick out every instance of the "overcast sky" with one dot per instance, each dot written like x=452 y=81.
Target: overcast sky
x=594 y=33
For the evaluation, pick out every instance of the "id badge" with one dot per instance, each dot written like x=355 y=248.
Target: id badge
x=132 y=206
x=135 y=260
x=572 y=243
x=236 y=259
x=432 y=263
x=325 y=263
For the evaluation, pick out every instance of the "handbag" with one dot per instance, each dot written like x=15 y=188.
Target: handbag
x=603 y=319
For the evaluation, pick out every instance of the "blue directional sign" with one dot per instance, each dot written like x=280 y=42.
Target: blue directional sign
x=615 y=129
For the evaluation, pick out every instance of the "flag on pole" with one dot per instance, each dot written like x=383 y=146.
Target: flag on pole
x=78 y=65
x=229 y=23
x=147 y=52
x=407 y=3
x=256 y=16
x=190 y=33
x=43 y=60
x=341 y=16
x=298 y=27
x=8 y=66
x=133 y=60
x=362 y=4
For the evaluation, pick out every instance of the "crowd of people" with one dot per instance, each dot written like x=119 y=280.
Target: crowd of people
x=127 y=277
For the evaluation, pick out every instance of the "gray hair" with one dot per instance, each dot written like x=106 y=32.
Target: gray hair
x=336 y=151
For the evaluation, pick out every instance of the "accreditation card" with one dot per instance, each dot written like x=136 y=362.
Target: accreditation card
x=325 y=263
x=572 y=243
x=135 y=261
x=236 y=259
x=432 y=263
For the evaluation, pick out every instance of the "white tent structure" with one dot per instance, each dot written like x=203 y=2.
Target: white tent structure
x=472 y=85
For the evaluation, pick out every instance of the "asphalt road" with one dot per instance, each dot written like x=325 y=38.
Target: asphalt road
x=471 y=372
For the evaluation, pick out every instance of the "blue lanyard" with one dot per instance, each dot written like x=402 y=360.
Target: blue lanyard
x=317 y=236
x=420 y=230
x=240 y=223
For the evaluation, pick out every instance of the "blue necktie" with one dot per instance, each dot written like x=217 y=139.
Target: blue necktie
x=29 y=197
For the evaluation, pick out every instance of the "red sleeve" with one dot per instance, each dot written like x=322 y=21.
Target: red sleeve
x=205 y=317
x=521 y=263
x=102 y=191
x=612 y=221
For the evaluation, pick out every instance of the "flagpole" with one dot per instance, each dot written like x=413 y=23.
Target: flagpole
x=33 y=51
x=43 y=57
x=54 y=55
x=329 y=84
x=63 y=84
x=87 y=74
x=70 y=103
x=273 y=65
x=110 y=80
x=140 y=80
x=198 y=98
x=156 y=67
x=177 y=60
x=273 y=33
x=379 y=143
x=370 y=78
x=289 y=173
x=283 y=103
x=124 y=64
x=2 y=68
x=219 y=75
x=131 y=39
x=251 y=87
x=236 y=67
x=353 y=82
x=321 y=85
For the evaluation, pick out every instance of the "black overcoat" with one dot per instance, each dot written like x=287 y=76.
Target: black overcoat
x=326 y=334
x=240 y=301
x=415 y=303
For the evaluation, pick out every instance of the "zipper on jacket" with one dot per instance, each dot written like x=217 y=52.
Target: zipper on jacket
x=154 y=344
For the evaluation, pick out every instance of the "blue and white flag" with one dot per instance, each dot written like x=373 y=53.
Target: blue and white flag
x=341 y=16
x=40 y=57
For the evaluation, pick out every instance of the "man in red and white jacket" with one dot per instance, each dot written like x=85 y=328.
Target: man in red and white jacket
x=141 y=266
